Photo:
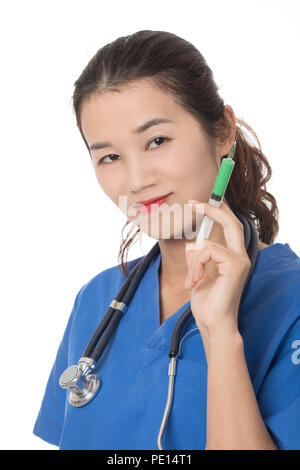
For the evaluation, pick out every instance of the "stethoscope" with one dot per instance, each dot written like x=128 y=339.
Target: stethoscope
x=83 y=385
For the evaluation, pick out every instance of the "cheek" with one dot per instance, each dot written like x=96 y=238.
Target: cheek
x=178 y=166
x=188 y=158
x=184 y=168
x=193 y=174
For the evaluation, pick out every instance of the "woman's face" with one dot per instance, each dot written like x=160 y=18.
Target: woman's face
x=167 y=158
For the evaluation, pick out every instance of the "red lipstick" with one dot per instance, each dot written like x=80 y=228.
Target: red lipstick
x=150 y=204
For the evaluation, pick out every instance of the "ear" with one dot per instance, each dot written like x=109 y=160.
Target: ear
x=225 y=147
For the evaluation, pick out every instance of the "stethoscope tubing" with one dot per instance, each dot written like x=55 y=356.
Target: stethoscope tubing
x=84 y=385
x=122 y=300
x=119 y=305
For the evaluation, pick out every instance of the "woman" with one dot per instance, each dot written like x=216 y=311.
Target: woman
x=149 y=112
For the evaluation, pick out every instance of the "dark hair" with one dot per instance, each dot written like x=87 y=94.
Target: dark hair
x=178 y=68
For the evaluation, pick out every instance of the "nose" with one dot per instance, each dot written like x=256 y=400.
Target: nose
x=139 y=176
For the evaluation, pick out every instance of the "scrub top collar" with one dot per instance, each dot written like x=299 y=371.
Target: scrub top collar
x=150 y=306
x=150 y=299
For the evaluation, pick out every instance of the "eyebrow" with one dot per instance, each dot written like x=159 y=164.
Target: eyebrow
x=138 y=130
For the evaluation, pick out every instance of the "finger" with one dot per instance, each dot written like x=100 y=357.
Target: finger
x=190 y=256
x=197 y=268
x=195 y=273
x=232 y=227
x=198 y=271
x=227 y=261
x=191 y=282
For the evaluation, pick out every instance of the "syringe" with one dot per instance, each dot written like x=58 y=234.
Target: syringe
x=218 y=192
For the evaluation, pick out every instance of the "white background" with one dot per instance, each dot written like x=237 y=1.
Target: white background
x=55 y=234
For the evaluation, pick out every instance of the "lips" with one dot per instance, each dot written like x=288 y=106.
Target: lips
x=154 y=199
x=151 y=204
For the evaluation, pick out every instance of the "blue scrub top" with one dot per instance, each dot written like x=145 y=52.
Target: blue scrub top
x=128 y=409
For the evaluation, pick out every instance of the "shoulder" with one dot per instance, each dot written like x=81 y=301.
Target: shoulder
x=276 y=275
x=271 y=304
x=91 y=304
x=105 y=283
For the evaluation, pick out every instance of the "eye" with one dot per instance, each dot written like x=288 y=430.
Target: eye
x=158 y=138
x=107 y=156
x=114 y=155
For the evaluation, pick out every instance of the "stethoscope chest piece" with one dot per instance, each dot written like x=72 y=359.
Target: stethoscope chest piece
x=82 y=384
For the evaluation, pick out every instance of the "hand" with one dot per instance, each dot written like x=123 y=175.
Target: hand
x=215 y=299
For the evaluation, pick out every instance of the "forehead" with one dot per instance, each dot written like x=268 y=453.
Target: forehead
x=114 y=111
